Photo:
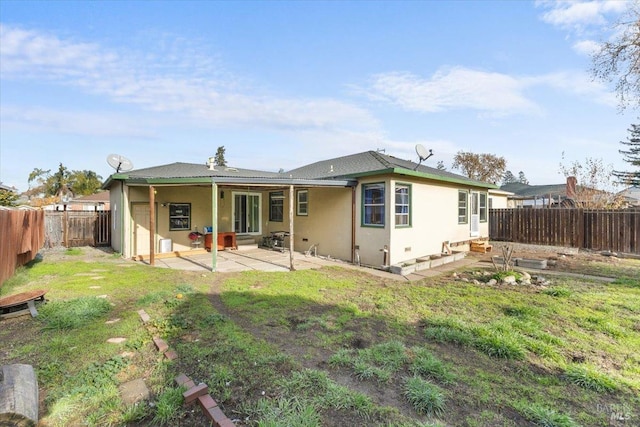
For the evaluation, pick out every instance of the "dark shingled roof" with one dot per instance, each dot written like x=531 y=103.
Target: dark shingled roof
x=369 y=162
x=529 y=191
x=194 y=170
x=326 y=172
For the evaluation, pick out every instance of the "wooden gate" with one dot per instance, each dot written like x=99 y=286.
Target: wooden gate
x=77 y=228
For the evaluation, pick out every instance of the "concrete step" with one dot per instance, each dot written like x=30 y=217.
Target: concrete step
x=246 y=243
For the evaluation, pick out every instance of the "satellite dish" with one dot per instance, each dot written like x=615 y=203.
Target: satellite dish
x=423 y=154
x=119 y=163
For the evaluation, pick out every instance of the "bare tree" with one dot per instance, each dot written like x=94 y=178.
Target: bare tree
x=481 y=167
x=618 y=60
x=596 y=184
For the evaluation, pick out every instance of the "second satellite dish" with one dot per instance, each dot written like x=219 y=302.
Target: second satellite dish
x=423 y=154
x=119 y=163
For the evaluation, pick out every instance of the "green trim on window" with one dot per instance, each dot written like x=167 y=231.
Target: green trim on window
x=409 y=205
x=483 y=209
x=463 y=207
x=375 y=211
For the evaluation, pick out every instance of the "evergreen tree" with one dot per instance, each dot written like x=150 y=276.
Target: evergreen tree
x=631 y=156
x=219 y=159
x=508 y=178
x=522 y=179
x=8 y=198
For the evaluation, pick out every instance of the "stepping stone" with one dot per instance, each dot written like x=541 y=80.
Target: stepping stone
x=134 y=391
x=144 y=316
x=118 y=340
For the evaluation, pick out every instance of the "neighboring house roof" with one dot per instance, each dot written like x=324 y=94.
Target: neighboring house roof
x=340 y=171
x=101 y=197
x=532 y=191
x=631 y=195
x=7 y=188
x=375 y=163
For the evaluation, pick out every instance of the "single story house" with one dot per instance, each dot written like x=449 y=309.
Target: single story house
x=368 y=208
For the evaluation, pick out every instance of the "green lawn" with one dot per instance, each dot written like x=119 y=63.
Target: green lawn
x=330 y=347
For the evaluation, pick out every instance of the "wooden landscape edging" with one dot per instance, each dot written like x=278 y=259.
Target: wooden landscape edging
x=199 y=392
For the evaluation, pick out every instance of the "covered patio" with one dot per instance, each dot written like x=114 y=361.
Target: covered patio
x=231 y=261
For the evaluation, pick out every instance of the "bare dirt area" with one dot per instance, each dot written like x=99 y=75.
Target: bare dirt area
x=568 y=260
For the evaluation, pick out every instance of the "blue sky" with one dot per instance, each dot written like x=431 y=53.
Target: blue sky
x=283 y=84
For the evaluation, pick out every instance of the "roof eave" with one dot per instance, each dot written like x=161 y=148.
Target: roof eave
x=417 y=174
x=232 y=180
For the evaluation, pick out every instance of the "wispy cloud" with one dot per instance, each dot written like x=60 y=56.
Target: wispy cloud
x=178 y=81
x=489 y=93
x=77 y=123
x=584 y=20
x=449 y=89
x=577 y=15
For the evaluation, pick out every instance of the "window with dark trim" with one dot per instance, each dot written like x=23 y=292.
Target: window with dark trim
x=462 y=206
x=403 y=205
x=483 y=207
x=302 y=199
x=373 y=204
x=276 y=206
x=180 y=216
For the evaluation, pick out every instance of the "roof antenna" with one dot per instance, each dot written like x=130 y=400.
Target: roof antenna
x=380 y=150
x=423 y=154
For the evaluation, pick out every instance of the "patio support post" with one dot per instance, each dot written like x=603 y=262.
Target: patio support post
x=291 y=239
x=353 y=225
x=152 y=225
x=214 y=226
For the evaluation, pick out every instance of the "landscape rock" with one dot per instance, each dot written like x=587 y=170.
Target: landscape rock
x=509 y=280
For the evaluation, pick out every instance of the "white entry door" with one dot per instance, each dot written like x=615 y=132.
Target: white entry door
x=475 y=214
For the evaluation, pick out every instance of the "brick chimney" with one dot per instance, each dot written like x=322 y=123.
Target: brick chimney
x=571 y=187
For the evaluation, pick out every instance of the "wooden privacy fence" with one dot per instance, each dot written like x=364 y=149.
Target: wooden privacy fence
x=77 y=228
x=21 y=237
x=617 y=231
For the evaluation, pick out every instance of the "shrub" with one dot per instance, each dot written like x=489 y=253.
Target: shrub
x=426 y=398
x=557 y=292
x=61 y=315
x=590 y=379
x=546 y=417
x=497 y=343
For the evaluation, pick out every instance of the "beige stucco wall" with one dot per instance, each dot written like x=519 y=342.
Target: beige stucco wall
x=434 y=220
x=371 y=240
x=498 y=200
x=198 y=196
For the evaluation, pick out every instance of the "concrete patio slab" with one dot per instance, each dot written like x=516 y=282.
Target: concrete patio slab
x=259 y=259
